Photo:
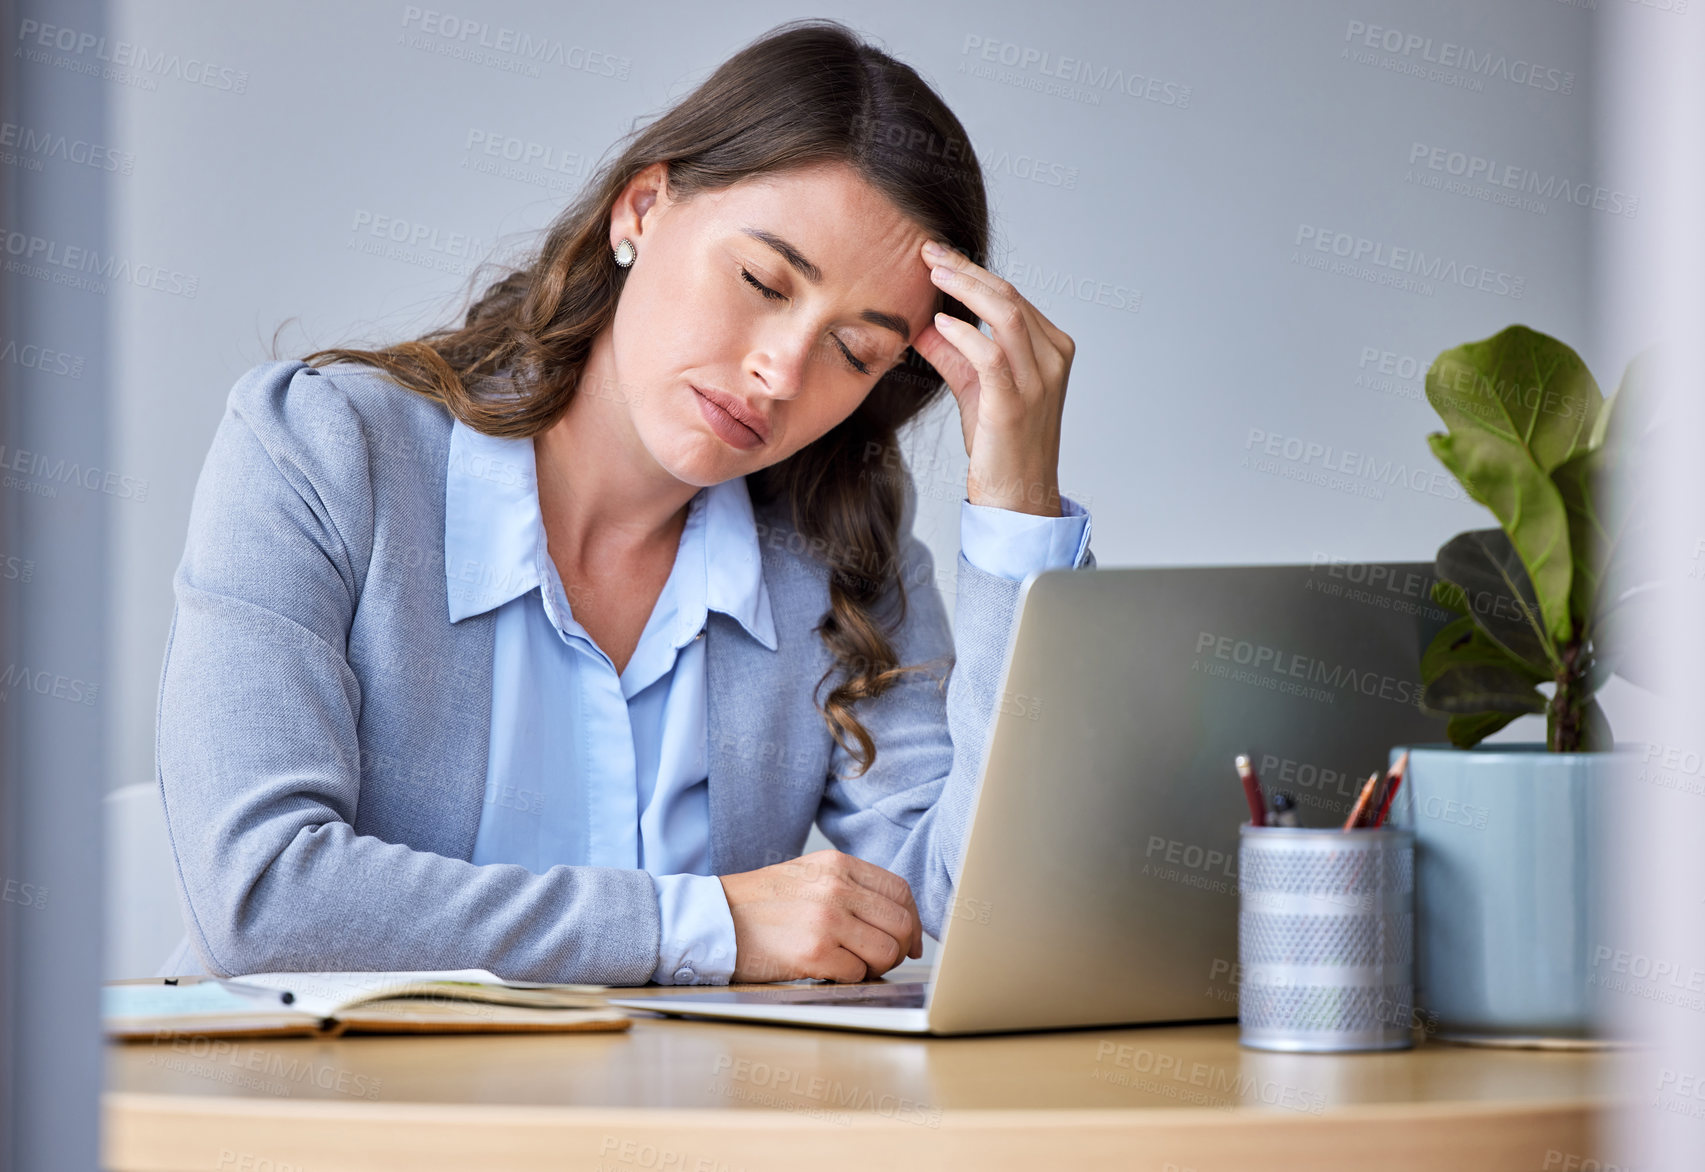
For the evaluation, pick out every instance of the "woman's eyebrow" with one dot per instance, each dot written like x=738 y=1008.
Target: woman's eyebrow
x=812 y=273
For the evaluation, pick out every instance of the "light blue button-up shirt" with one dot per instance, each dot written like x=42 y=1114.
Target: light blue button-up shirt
x=591 y=767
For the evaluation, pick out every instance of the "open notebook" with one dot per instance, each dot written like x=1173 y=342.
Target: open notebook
x=449 y=1001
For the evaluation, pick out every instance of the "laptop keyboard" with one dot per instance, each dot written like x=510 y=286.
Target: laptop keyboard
x=899 y=995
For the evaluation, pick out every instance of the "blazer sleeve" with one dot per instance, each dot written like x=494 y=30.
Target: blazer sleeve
x=257 y=756
x=909 y=812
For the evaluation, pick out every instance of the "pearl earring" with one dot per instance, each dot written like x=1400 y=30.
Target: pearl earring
x=626 y=252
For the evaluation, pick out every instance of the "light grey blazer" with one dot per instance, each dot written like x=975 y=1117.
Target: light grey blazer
x=322 y=726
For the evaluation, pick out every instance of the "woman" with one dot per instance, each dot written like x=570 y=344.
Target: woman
x=493 y=649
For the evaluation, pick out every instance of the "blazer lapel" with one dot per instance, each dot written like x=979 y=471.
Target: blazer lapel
x=728 y=725
x=466 y=719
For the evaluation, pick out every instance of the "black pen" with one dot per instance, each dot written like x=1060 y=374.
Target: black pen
x=260 y=991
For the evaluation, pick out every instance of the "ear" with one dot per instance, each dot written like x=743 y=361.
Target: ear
x=627 y=217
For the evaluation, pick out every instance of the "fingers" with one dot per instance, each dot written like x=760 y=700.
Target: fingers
x=1014 y=322
x=896 y=899
x=841 y=965
x=894 y=920
x=1050 y=349
x=876 y=950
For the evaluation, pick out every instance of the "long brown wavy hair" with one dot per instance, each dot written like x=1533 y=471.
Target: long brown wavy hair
x=806 y=93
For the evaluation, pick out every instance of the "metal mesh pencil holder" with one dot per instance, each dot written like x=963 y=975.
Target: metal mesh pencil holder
x=1325 y=938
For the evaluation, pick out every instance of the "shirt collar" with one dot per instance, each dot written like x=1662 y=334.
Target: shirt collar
x=494 y=537
x=492 y=527
x=733 y=568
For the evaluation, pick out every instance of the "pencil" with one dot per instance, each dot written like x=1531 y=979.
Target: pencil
x=1395 y=777
x=1252 y=791
x=1362 y=802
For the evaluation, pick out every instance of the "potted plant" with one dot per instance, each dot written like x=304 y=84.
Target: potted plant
x=1507 y=870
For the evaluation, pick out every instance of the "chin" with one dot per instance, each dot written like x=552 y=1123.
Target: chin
x=703 y=460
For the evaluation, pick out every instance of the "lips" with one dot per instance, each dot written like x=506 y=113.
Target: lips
x=738 y=410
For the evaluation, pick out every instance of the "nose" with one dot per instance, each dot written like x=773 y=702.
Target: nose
x=786 y=358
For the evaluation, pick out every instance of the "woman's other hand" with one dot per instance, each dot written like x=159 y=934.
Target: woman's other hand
x=826 y=915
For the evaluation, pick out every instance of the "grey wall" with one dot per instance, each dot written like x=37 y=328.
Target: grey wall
x=1167 y=218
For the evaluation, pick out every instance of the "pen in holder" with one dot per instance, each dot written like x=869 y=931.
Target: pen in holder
x=1325 y=938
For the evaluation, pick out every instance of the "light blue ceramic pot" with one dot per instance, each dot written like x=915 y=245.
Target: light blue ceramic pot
x=1508 y=886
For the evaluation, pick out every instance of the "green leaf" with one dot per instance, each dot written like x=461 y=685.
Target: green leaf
x=1467 y=731
x=1478 y=688
x=1463 y=672
x=1529 y=506
x=1592 y=531
x=1598 y=502
x=1525 y=387
x=1498 y=594
x=1461 y=641
x=1518 y=404
x=1450 y=596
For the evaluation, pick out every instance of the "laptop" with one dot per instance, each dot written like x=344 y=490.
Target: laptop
x=1099 y=880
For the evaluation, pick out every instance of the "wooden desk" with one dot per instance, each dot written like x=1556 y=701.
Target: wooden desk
x=691 y=1096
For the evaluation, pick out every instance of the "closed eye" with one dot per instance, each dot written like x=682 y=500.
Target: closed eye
x=773 y=295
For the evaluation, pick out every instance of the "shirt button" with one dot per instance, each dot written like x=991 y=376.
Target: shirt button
x=685 y=975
